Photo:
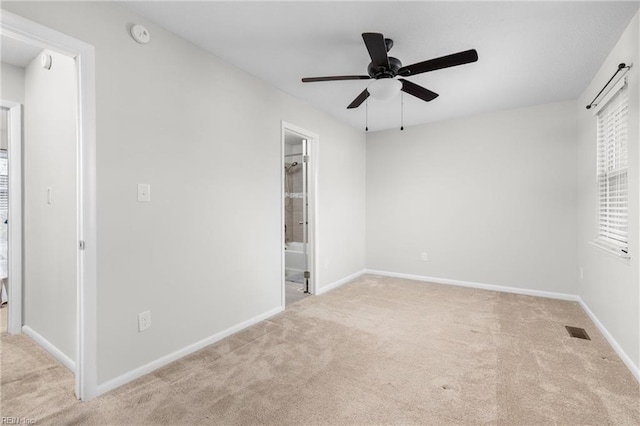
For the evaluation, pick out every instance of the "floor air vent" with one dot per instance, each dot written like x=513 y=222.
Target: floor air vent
x=577 y=332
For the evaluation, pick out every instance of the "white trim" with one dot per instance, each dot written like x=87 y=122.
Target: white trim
x=612 y=341
x=49 y=347
x=314 y=230
x=313 y=140
x=14 y=227
x=613 y=252
x=30 y=32
x=161 y=362
x=340 y=282
x=282 y=219
x=470 y=284
x=539 y=293
x=87 y=348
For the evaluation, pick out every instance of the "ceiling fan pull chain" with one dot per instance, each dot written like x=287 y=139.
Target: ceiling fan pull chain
x=401 y=111
x=366 y=116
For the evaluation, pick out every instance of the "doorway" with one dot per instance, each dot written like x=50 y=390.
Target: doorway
x=299 y=167
x=57 y=189
x=42 y=303
x=11 y=215
x=4 y=216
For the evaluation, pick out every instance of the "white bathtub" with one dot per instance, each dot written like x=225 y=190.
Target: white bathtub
x=294 y=256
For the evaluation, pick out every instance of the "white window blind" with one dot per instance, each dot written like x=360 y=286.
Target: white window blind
x=4 y=187
x=612 y=173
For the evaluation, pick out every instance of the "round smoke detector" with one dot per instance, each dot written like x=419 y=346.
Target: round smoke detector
x=140 y=34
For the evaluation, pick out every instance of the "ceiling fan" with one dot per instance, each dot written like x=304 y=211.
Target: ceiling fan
x=384 y=68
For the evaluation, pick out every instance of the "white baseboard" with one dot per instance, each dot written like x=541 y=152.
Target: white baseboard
x=154 y=365
x=49 y=347
x=493 y=287
x=340 y=282
x=548 y=294
x=161 y=362
x=614 y=344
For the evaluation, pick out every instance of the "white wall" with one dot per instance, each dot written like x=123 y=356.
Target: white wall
x=491 y=199
x=11 y=83
x=205 y=253
x=11 y=89
x=610 y=284
x=50 y=239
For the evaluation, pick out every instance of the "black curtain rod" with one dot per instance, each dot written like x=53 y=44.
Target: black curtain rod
x=620 y=68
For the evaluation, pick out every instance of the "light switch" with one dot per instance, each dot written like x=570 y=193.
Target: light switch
x=144 y=192
x=49 y=195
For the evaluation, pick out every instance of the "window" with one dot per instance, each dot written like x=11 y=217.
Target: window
x=612 y=172
x=4 y=187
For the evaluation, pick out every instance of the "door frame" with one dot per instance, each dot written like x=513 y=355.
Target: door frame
x=14 y=224
x=30 y=32
x=313 y=141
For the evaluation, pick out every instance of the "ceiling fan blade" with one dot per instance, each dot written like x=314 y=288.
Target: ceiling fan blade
x=359 y=100
x=417 y=91
x=335 y=78
x=452 y=60
x=377 y=49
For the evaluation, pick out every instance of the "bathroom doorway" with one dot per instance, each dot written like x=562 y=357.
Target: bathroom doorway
x=298 y=197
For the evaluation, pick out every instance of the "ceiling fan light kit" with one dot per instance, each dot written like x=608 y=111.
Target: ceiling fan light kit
x=384 y=69
x=384 y=89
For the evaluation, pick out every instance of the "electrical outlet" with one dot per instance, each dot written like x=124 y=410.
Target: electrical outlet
x=424 y=256
x=144 y=320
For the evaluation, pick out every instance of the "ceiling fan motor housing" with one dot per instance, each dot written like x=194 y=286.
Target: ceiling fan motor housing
x=382 y=71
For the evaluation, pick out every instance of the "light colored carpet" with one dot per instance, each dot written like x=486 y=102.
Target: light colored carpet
x=34 y=385
x=375 y=351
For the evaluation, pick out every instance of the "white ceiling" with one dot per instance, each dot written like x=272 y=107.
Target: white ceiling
x=529 y=52
x=17 y=53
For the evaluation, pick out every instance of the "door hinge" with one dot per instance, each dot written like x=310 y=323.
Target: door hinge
x=81 y=245
x=305 y=158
